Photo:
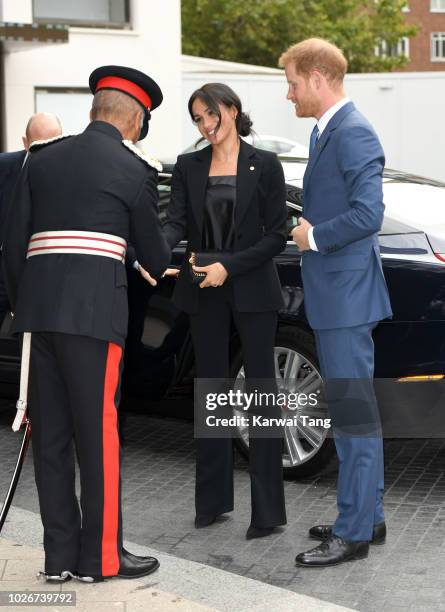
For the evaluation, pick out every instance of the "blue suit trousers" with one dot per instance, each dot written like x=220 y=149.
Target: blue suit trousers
x=347 y=359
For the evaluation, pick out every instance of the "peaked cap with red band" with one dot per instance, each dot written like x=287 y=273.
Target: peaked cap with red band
x=132 y=82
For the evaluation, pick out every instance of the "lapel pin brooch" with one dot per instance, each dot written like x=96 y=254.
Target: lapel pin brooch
x=252 y=168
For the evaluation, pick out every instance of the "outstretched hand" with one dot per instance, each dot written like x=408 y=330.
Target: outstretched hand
x=153 y=282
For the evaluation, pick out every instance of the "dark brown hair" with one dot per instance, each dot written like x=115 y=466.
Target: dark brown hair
x=214 y=94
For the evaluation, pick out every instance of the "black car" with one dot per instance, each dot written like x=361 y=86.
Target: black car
x=409 y=347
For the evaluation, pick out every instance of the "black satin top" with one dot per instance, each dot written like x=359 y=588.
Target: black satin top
x=218 y=232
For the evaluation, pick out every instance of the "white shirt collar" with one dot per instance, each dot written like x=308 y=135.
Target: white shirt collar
x=324 y=119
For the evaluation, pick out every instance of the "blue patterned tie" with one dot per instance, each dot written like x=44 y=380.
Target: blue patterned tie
x=314 y=137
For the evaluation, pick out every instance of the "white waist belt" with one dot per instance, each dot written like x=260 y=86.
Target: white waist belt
x=82 y=243
x=44 y=243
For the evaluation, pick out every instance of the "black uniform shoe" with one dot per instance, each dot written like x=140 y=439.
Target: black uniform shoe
x=333 y=551
x=258 y=532
x=323 y=532
x=131 y=566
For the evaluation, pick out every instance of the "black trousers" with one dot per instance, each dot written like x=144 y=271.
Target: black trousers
x=210 y=329
x=73 y=393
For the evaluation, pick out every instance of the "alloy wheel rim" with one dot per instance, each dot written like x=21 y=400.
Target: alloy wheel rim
x=294 y=373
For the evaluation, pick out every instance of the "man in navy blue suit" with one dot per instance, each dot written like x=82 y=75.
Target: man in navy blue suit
x=344 y=289
x=41 y=126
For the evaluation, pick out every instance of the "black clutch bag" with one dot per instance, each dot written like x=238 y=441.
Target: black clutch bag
x=201 y=259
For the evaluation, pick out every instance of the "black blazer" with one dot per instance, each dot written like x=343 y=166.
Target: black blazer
x=260 y=224
x=89 y=182
x=10 y=167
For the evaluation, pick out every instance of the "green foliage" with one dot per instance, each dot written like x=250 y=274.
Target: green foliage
x=258 y=31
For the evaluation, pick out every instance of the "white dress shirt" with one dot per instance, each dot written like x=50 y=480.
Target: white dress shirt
x=321 y=124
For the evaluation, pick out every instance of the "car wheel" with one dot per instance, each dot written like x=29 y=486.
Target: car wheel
x=306 y=448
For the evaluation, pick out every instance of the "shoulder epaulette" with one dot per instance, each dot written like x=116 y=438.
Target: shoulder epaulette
x=150 y=161
x=40 y=144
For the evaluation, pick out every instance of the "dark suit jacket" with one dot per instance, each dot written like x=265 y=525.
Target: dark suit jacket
x=10 y=166
x=89 y=182
x=260 y=220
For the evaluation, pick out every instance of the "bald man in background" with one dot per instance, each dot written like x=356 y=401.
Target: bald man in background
x=41 y=126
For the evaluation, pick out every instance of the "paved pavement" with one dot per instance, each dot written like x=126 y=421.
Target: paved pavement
x=178 y=586
x=408 y=573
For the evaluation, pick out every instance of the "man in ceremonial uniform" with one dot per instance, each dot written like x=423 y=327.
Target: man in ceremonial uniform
x=78 y=203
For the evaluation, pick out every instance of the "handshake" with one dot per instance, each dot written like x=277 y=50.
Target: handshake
x=215 y=273
x=153 y=282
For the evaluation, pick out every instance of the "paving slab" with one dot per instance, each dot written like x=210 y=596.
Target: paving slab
x=158 y=510
x=181 y=585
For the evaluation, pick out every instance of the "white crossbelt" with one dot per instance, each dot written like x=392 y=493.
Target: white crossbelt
x=74 y=242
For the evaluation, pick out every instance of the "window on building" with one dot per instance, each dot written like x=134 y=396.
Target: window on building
x=108 y=13
x=400 y=49
x=438 y=6
x=72 y=106
x=438 y=46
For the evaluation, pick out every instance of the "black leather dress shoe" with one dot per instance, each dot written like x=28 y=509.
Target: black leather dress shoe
x=323 y=532
x=204 y=521
x=131 y=566
x=258 y=532
x=333 y=551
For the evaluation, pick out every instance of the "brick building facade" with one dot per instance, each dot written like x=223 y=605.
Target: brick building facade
x=426 y=50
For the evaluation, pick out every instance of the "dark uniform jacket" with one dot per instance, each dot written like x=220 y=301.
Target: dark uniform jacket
x=89 y=182
x=260 y=226
x=10 y=167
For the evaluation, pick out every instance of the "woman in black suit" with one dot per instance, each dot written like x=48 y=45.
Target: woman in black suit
x=230 y=197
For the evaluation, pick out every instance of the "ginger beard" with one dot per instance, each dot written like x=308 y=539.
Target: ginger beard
x=302 y=93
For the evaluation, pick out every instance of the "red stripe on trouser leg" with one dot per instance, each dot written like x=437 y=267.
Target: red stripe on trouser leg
x=110 y=442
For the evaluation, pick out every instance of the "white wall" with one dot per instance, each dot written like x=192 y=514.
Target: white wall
x=153 y=46
x=406 y=110
x=16 y=11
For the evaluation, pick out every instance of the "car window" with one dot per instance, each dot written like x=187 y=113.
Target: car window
x=294 y=204
x=415 y=243
x=164 y=190
x=292 y=217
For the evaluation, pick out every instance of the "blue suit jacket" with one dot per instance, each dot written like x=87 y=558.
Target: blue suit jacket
x=343 y=283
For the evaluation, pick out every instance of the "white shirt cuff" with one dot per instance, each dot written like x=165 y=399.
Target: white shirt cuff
x=136 y=265
x=310 y=237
